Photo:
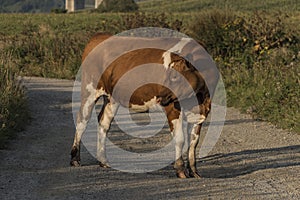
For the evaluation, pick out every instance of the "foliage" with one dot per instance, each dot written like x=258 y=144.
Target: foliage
x=118 y=6
x=259 y=58
x=58 y=10
x=13 y=106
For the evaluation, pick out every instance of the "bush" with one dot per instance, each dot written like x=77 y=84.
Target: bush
x=118 y=6
x=13 y=105
x=58 y=10
x=259 y=59
x=226 y=34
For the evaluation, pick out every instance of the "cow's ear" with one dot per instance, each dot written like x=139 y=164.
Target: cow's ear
x=188 y=59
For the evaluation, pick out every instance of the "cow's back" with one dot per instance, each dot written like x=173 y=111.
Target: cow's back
x=94 y=41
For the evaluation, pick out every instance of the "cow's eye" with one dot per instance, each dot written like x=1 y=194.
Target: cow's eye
x=174 y=78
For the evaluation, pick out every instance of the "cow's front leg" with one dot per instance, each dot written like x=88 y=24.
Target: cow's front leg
x=194 y=140
x=175 y=123
x=179 y=142
x=106 y=116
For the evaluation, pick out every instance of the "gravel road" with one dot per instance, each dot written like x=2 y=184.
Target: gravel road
x=251 y=160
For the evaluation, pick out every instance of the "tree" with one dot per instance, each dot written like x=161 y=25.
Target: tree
x=118 y=6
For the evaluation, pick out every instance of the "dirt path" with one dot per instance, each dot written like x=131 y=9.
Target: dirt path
x=252 y=160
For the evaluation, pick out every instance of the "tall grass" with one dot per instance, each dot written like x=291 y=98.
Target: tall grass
x=13 y=104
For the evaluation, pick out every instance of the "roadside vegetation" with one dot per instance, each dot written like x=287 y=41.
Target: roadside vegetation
x=13 y=103
x=255 y=45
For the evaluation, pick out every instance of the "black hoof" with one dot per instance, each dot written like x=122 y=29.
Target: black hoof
x=194 y=174
x=75 y=163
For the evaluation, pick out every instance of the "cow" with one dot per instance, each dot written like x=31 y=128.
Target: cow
x=170 y=94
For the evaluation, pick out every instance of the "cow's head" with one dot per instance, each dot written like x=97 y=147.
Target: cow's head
x=181 y=80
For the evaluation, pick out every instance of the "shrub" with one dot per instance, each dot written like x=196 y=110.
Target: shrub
x=226 y=34
x=259 y=59
x=58 y=10
x=13 y=105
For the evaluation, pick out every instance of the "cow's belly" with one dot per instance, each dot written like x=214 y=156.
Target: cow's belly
x=143 y=106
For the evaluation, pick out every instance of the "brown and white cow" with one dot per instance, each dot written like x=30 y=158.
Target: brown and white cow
x=173 y=96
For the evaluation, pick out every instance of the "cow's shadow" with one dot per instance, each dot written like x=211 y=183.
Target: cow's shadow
x=248 y=161
x=239 y=163
x=244 y=162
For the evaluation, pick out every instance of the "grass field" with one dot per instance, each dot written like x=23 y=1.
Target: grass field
x=255 y=44
x=203 y=5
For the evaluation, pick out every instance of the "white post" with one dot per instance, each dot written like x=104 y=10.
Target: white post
x=97 y=3
x=70 y=5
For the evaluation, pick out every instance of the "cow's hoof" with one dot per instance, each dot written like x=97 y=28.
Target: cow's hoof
x=104 y=165
x=195 y=175
x=75 y=163
x=182 y=174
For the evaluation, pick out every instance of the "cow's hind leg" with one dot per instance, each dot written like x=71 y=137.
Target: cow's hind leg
x=83 y=117
x=105 y=117
x=194 y=140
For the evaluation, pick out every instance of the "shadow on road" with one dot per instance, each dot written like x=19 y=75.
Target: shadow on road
x=248 y=161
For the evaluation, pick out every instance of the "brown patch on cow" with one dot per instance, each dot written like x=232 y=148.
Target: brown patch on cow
x=172 y=113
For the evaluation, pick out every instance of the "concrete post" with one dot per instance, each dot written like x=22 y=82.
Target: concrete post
x=72 y=5
x=97 y=3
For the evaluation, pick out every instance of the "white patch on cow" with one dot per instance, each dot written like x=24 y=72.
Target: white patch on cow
x=80 y=128
x=101 y=145
x=151 y=105
x=167 y=62
x=90 y=100
x=100 y=92
x=194 y=118
x=109 y=112
x=193 y=144
x=167 y=59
